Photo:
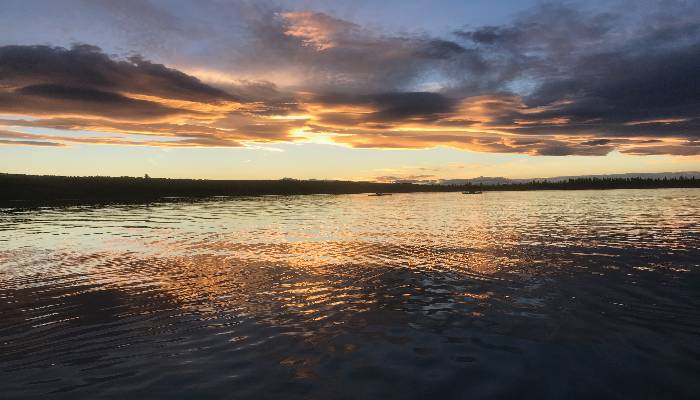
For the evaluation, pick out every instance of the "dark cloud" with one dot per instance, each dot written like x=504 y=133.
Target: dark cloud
x=550 y=28
x=87 y=66
x=438 y=49
x=72 y=93
x=620 y=88
x=47 y=99
x=392 y=106
x=401 y=106
x=596 y=142
x=601 y=73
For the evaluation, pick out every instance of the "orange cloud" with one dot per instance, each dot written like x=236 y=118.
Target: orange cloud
x=169 y=108
x=316 y=30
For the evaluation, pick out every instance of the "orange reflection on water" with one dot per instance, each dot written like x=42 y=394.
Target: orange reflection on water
x=307 y=280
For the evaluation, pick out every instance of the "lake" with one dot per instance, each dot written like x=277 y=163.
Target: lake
x=543 y=294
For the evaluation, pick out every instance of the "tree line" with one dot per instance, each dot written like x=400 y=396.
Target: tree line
x=47 y=189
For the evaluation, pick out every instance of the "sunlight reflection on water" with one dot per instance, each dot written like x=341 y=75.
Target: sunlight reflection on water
x=352 y=296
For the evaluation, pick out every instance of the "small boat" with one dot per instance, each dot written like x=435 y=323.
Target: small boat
x=380 y=194
x=473 y=192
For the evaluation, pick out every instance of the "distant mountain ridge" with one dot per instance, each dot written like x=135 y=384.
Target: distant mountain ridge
x=497 y=180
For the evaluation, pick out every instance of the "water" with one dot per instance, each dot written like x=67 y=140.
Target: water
x=590 y=294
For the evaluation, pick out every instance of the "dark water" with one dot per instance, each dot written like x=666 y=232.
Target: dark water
x=592 y=294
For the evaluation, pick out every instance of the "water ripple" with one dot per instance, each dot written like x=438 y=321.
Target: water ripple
x=408 y=296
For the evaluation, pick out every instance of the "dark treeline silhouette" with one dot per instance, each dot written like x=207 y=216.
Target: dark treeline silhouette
x=16 y=189
x=597 y=183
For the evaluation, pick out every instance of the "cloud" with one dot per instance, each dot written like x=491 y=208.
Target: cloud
x=49 y=99
x=325 y=53
x=88 y=66
x=83 y=89
x=421 y=178
x=29 y=143
x=31 y=139
x=555 y=81
x=19 y=139
x=599 y=72
x=317 y=30
x=689 y=148
x=82 y=81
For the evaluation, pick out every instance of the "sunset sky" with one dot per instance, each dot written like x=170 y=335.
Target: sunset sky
x=350 y=90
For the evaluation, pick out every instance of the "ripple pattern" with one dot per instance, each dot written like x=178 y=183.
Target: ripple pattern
x=530 y=295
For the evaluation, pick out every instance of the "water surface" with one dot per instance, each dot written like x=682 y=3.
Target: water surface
x=558 y=294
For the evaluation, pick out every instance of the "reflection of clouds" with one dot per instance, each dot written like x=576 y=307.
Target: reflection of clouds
x=230 y=252
x=276 y=284
x=310 y=287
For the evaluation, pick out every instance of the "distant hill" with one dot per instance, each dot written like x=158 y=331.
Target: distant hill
x=485 y=180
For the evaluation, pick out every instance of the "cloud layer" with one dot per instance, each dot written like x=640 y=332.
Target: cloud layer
x=555 y=81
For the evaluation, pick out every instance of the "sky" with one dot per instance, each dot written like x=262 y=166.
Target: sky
x=365 y=90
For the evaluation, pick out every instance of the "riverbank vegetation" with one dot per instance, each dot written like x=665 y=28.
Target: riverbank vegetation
x=43 y=189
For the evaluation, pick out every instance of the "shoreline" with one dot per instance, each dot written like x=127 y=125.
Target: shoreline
x=27 y=191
